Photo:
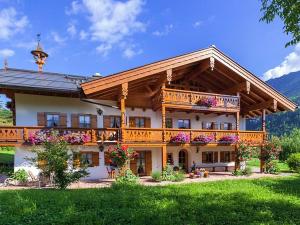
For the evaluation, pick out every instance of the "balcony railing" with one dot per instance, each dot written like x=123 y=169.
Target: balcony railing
x=193 y=99
x=19 y=135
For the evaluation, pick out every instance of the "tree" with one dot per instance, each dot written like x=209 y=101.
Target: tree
x=288 y=11
x=53 y=159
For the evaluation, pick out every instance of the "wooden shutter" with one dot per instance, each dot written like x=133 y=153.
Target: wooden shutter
x=74 y=120
x=148 y=159
x=41 y=119
x=222 y=126
x=76 y=159
x=133 y=165
x=203 y=125
x=93 y=121
x=62 y=119
x=214 y=126
x=132 y=122
x=147 y=122
x=106 y=121
x=215 y=157
x=229 y=126
x=204 y=159
x=95 y=158
x=106 y=159
x=222 y=156
x=232 y=156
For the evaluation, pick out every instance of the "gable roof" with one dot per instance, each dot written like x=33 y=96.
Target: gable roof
x=90 y=88
x=45 y=81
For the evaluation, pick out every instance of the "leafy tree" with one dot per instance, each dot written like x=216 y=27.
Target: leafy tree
x=290 y=144
x=54 y=158
x=288 y=11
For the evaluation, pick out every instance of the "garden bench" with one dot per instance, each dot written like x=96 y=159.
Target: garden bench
x=214 y=167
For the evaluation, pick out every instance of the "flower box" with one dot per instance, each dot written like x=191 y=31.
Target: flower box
x=180 y=138
x=228 y=139
x=203 y=139
x=207 y=102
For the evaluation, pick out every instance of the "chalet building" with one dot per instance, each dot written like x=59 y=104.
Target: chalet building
x=203 y=94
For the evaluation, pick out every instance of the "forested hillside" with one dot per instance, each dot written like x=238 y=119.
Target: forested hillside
x=5 y=117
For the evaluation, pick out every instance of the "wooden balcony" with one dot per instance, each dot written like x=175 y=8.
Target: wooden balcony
x=13 y=136
x=174 y=98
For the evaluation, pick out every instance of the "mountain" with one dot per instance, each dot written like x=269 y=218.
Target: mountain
x=282 y=123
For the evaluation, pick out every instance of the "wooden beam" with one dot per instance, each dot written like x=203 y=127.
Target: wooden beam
x=196 y=71
x=262 y=105
x=244 y=86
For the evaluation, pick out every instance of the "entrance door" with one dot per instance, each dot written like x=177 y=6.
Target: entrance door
x=183 y=159
x=142 y=165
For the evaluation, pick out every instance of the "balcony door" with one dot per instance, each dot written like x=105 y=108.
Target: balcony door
x=142 y=165
x=183 y=159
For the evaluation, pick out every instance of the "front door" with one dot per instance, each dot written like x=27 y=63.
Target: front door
x=183 y=159
x=142 y=165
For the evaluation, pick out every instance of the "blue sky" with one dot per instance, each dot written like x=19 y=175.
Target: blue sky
x=108 y=36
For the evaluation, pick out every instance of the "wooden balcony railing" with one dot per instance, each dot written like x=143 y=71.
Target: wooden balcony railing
x=191 y=99
x=11 y=136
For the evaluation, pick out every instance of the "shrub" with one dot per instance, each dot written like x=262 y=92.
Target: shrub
x=294 y=162
x=168 y=174
x=179 y=176
x=247 y=171
x=20 y=175
x=290 y=144
x=156 y=176
x=55 y=157
x=128 y=178
x=237 y=173
x=272 y=167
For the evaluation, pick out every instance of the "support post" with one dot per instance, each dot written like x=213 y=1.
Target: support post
x=164 y=156
x=263 y=128
x=163 y=113
x=124 y=93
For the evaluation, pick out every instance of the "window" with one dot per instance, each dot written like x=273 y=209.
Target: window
x=227 y=126
x=115 y=121
x=210 y=125
x=184 y=124
x=52 y=120
x=170 y=159
x=84 y=121
x=209 y=157
x=169 y=123
x=225 y=156
x=87 y=159
x=139 y=122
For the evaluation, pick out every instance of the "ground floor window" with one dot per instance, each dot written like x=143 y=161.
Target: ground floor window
x=170 y=159
x=225 y=156
x=141 y=164
x=209 y=157
x=87 y=159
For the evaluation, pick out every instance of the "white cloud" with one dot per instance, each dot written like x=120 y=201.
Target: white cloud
x=57 y=38
x=167 y=29
x=83 y=35
x=72 y=29
x=130 y=51
x=74 y=8
x=198 y=24
x=111 y=21
x=11 y=23
x=291 y=63
x=5 y=53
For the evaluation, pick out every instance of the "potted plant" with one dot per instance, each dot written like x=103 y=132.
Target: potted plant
x=203 y=139
x=228 y=139
x=192 y=175
x=202 y=171
x=180 y=138
x=206 y=174
x=207 y=102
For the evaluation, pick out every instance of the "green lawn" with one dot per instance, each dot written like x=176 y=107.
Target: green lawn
x=7 y=155
x=260 y=201
x=255 y=163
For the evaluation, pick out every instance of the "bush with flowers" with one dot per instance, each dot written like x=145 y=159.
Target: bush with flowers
x=180 y=138
x=42 y=136
x=228 y=139
x=243 y=151
x=203 y=139
x=207 y=102
x=269 y=152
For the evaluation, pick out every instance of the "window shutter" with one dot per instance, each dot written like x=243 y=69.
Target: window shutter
x=148 y=122
x=76 y=159
x=214 y=126
x=203 y=125
x=41 y=119
x=215 y=157
x=204 y=159
x=148 y=159
x=232 y=156
x=229 y=126
x=133 y=165
x=106 y=159
x=222 y=126
x=95 y=158
x=93 y=121
x=132 y=122
x=63 y=120
x=106 y=121
x=75 y=120
x=222 y=156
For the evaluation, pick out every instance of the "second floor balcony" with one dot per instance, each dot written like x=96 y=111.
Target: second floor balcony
x=191 y=100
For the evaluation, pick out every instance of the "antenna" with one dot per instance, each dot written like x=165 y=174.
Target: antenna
x=5 y=64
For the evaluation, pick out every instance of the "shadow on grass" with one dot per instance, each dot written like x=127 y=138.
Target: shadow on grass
x=227 y=202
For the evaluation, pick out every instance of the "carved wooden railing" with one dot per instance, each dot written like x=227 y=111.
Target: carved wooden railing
x=19 y=135
x=192 y=98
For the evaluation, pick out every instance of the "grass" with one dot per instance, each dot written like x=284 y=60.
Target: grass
x=260 y=201
x=254 y=162
x=7 y=155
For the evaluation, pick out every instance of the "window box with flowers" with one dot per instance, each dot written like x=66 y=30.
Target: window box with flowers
x=203 y=139
x=207 y=102
x=180 y=138
x=228 y=139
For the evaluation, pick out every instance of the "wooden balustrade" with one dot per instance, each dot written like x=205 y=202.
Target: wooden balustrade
x=19 y=135
x=192 y=98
